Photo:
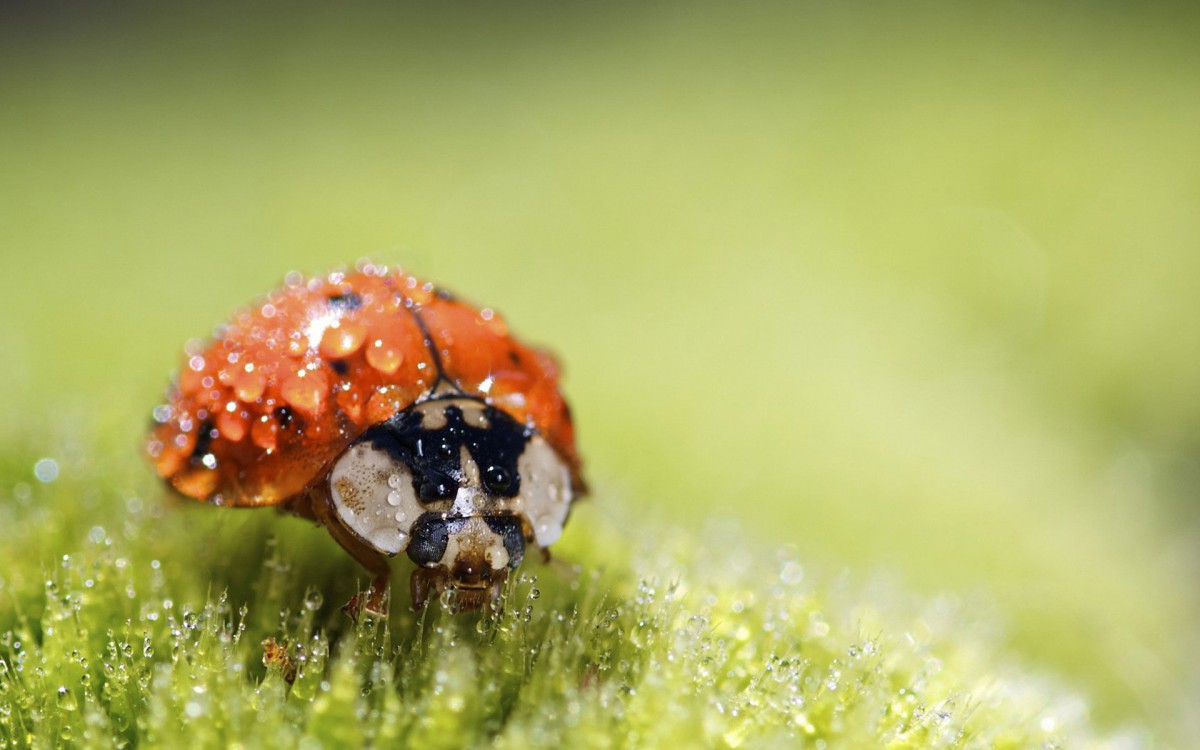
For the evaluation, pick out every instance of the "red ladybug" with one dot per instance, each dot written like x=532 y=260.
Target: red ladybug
x=396 y=415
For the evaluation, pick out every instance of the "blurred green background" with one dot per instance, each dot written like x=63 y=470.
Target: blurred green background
x=912 y=288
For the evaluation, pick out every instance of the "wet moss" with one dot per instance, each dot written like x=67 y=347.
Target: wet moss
x=131 y=620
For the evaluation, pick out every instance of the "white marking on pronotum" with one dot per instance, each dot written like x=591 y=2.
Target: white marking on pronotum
x=373 y=495
x=545 y=490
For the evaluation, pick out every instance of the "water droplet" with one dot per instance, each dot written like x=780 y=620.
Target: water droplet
x=265 y=433
x=342 y=340
x=305 y=391
x=832 y=681
x=394 y=498
x=232 y=424
x=792 y=573
x=249 y=384
x=313 y=600
x=46 y=470
x=384 y=356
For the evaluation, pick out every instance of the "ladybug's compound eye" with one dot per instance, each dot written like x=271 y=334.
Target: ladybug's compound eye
x=430 y=535
x=372 y=494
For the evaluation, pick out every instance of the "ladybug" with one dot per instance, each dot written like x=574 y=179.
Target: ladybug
x=384 y=408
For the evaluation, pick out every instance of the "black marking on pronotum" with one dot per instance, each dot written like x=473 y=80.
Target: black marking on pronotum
x=434 y=455
x=349 y=301
x=204 y=439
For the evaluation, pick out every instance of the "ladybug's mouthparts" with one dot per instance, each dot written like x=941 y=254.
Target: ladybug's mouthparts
x=433 y=583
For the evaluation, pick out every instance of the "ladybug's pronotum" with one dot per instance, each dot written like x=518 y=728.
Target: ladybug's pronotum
x=397 y=416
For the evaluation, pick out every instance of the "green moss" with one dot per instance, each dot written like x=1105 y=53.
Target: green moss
x=906 y=285
x=130 y=620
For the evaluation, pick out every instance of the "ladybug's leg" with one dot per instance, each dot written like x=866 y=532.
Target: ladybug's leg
x=375 y=599
x=423 y=584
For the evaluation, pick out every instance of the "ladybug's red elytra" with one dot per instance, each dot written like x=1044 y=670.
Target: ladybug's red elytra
x=385 y=409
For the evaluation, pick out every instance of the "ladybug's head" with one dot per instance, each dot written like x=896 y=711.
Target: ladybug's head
x=471 y=556
x=460 y=486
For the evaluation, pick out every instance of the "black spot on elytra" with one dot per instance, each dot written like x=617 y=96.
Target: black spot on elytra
x=340 y=367
x=288 y=419
x=514 y=357
x=444 y=295
x=434 y=456
x=204 y=439
x=345 y=425
x=349 y=301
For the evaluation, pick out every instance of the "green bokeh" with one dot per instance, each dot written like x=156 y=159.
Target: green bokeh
x=910 y=288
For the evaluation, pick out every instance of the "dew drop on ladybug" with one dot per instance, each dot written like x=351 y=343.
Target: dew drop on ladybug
x=399 y=417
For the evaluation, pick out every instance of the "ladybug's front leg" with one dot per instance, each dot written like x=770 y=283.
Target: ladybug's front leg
x=375 y=599
x=423 y=583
